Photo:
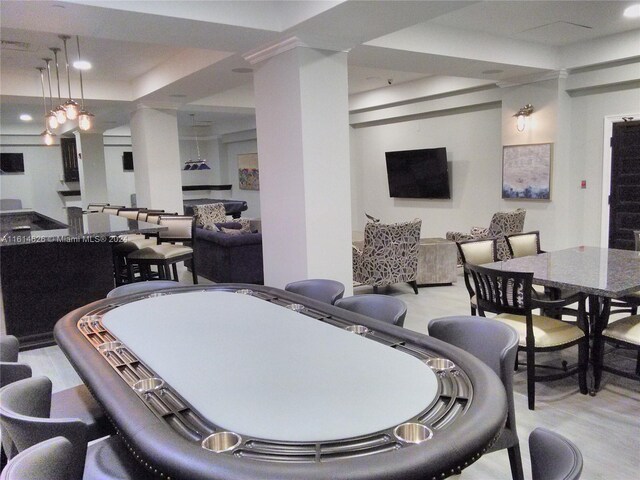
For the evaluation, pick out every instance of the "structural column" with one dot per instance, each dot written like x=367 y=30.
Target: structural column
x=156 y=159
x=303 y=147
x=91 y=166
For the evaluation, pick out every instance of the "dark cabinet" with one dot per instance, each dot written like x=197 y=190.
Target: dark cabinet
x=69 y=159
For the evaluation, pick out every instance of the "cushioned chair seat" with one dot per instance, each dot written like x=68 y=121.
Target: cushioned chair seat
x=159 y=252
x=547 y=331
x=133 y=244
x=77 y=402
x=626 y=330
x=110 y=459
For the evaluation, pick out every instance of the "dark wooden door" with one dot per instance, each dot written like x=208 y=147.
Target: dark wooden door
x=69 y=159
x=624 y=201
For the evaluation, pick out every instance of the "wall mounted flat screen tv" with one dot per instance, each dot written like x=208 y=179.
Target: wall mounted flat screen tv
x=127 y=161
x=418 y=173
x=11 y=162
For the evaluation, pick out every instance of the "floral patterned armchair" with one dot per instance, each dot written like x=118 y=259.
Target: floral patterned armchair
x=502 y=224
x=389 y=254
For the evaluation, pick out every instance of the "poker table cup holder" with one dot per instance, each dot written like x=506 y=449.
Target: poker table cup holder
x=412 y=433
x=110 y=347
x=296 y=307
x=358 y=329
x=148 y=385
x=220 y=442
x=441 y=366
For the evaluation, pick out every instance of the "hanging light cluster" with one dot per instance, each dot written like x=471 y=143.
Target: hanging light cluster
x=69 y=109
x=200 y=163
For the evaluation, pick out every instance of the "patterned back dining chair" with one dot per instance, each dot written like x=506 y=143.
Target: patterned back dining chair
x=475 y=252
x=509 y=295
x=389 y=254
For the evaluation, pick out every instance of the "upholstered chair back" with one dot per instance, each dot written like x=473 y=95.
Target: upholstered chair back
x=524 y=244
x=389 y=254
x=130 y=213
x=179 y=227
x=209 y=214
x=478 y=252
x=28 y=422
x=112 y=209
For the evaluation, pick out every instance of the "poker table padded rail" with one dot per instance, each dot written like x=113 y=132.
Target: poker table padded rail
x=166 y=453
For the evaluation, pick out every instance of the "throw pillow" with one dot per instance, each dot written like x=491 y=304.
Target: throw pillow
x=232 y=231
x=209 y=214
x=213 y=227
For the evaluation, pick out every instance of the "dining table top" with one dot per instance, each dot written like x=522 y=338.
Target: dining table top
x=605 y=272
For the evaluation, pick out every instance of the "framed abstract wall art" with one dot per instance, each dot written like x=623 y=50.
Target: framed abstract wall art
x=248 y=172
x=526 y=171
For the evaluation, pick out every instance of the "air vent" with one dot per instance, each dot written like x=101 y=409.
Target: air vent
x=12 y=45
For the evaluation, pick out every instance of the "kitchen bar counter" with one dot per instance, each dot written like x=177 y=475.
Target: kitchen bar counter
x=47 y=273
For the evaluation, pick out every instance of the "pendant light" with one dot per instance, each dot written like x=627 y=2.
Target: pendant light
x=200 y=163
x=50 y=118
x=46 y=135
x=85 y=118
x=61 y=113
x=70 y=106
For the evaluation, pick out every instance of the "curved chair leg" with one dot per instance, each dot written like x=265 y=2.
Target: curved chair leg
x=515 y=461
x=414 y=285
x=531 y=382
x=193 y=272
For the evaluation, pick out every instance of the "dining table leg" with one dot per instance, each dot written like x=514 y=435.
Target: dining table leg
x=599 y=310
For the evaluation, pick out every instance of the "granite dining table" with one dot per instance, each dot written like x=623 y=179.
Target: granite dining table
x=49 y=272
x=602 y=274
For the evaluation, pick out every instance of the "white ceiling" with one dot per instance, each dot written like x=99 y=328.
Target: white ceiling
x=181 y=54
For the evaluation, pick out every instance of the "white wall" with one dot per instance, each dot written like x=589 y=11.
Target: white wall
x=120 y=184
x=473 y=142
x=587 y=130
x=571 y=120
x=37 y=187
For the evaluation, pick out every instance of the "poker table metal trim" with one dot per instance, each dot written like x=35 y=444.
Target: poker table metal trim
x=457 y=441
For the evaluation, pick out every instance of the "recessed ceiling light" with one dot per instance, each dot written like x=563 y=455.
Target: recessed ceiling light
x=492 y=71
x=82 y=65
x=242 y=70
x=633 y=11
x=25 y=117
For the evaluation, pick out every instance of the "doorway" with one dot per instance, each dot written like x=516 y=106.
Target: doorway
x=624 y=196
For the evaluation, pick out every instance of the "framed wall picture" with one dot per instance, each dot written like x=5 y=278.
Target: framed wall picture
x=526 y=171
x=248 y=172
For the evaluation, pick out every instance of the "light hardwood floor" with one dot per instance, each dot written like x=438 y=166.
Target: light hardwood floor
x=606 y=427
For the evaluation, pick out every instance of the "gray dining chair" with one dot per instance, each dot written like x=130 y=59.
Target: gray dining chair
x=321 y=289
x=142 y=287
x=496 y=344
x=73 y=402
x=382 y=307
x=29 y=423
x=48 y=460
x=553 y=457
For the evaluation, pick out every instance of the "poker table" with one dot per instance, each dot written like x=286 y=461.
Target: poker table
x=251 y=382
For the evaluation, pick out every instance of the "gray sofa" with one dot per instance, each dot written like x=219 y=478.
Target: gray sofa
x=227 y=258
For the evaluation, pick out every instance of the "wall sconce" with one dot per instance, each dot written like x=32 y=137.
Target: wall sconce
x=521 y=116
